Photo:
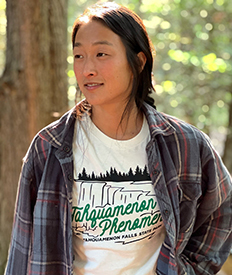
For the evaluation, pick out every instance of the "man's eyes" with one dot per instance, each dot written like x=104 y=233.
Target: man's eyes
x=78 y=56
x=101 y=54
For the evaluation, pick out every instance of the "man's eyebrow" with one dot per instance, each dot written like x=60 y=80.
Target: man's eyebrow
x=76 y=44
x=101 y=42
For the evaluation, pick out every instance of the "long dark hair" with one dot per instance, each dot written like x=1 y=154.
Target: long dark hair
x=130 y=28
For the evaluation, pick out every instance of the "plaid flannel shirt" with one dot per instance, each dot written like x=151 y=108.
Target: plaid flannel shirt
x=192 y=186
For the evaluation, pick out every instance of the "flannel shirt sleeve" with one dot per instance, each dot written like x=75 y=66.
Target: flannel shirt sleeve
x=21 y=238
x=211 y=240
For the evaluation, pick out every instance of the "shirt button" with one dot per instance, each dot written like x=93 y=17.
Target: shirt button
x=166 y=212
x=70 y=178
x=66 y=148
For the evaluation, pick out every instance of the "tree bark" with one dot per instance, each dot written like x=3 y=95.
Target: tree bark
x=33 y=91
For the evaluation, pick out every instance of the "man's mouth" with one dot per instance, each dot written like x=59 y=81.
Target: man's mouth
x=93 y=85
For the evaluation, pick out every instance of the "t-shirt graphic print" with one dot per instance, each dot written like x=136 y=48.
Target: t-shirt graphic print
x=116 y=221
x=124 y=211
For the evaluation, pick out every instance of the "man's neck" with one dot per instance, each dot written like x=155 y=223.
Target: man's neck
x=117 y=124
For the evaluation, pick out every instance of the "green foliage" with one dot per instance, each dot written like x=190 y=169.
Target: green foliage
x=192 y=68
x=2 y=34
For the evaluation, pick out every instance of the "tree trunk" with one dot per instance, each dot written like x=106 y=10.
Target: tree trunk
x=33 y=91
x=227 y=156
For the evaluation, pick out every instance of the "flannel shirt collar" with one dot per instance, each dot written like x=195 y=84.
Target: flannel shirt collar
x=56 y=133
x=157 y=122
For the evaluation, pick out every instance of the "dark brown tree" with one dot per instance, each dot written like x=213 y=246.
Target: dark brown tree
x=33 y=91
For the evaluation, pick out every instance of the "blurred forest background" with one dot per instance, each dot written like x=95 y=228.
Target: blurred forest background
x=192 y=72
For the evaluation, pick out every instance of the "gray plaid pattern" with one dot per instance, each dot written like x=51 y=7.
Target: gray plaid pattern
x=192 y=186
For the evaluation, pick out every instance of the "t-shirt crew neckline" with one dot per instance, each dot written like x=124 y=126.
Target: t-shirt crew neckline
x=129 y=143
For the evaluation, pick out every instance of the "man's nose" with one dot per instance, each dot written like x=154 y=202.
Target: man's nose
x=89 y=68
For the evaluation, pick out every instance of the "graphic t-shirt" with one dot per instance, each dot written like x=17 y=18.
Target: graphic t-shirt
x=116 y=222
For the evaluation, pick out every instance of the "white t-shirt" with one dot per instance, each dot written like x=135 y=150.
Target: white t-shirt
x=116 y=222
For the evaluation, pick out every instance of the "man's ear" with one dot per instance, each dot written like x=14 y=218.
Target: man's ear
x=142 y=59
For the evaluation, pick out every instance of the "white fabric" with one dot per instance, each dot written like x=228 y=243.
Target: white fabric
x=117 y=225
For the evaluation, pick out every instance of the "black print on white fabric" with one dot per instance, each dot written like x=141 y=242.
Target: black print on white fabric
x=138 y=175
x=124 y=214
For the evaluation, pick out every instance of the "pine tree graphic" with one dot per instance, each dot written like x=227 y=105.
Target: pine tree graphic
x=114 y=175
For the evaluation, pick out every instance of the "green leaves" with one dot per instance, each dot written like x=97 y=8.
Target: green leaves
x=192 y=68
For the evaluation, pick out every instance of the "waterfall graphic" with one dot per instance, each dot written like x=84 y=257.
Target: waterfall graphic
x=126 y=192
x=113 y=209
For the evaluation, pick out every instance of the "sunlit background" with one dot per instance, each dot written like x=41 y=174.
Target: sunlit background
x=192 y=68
